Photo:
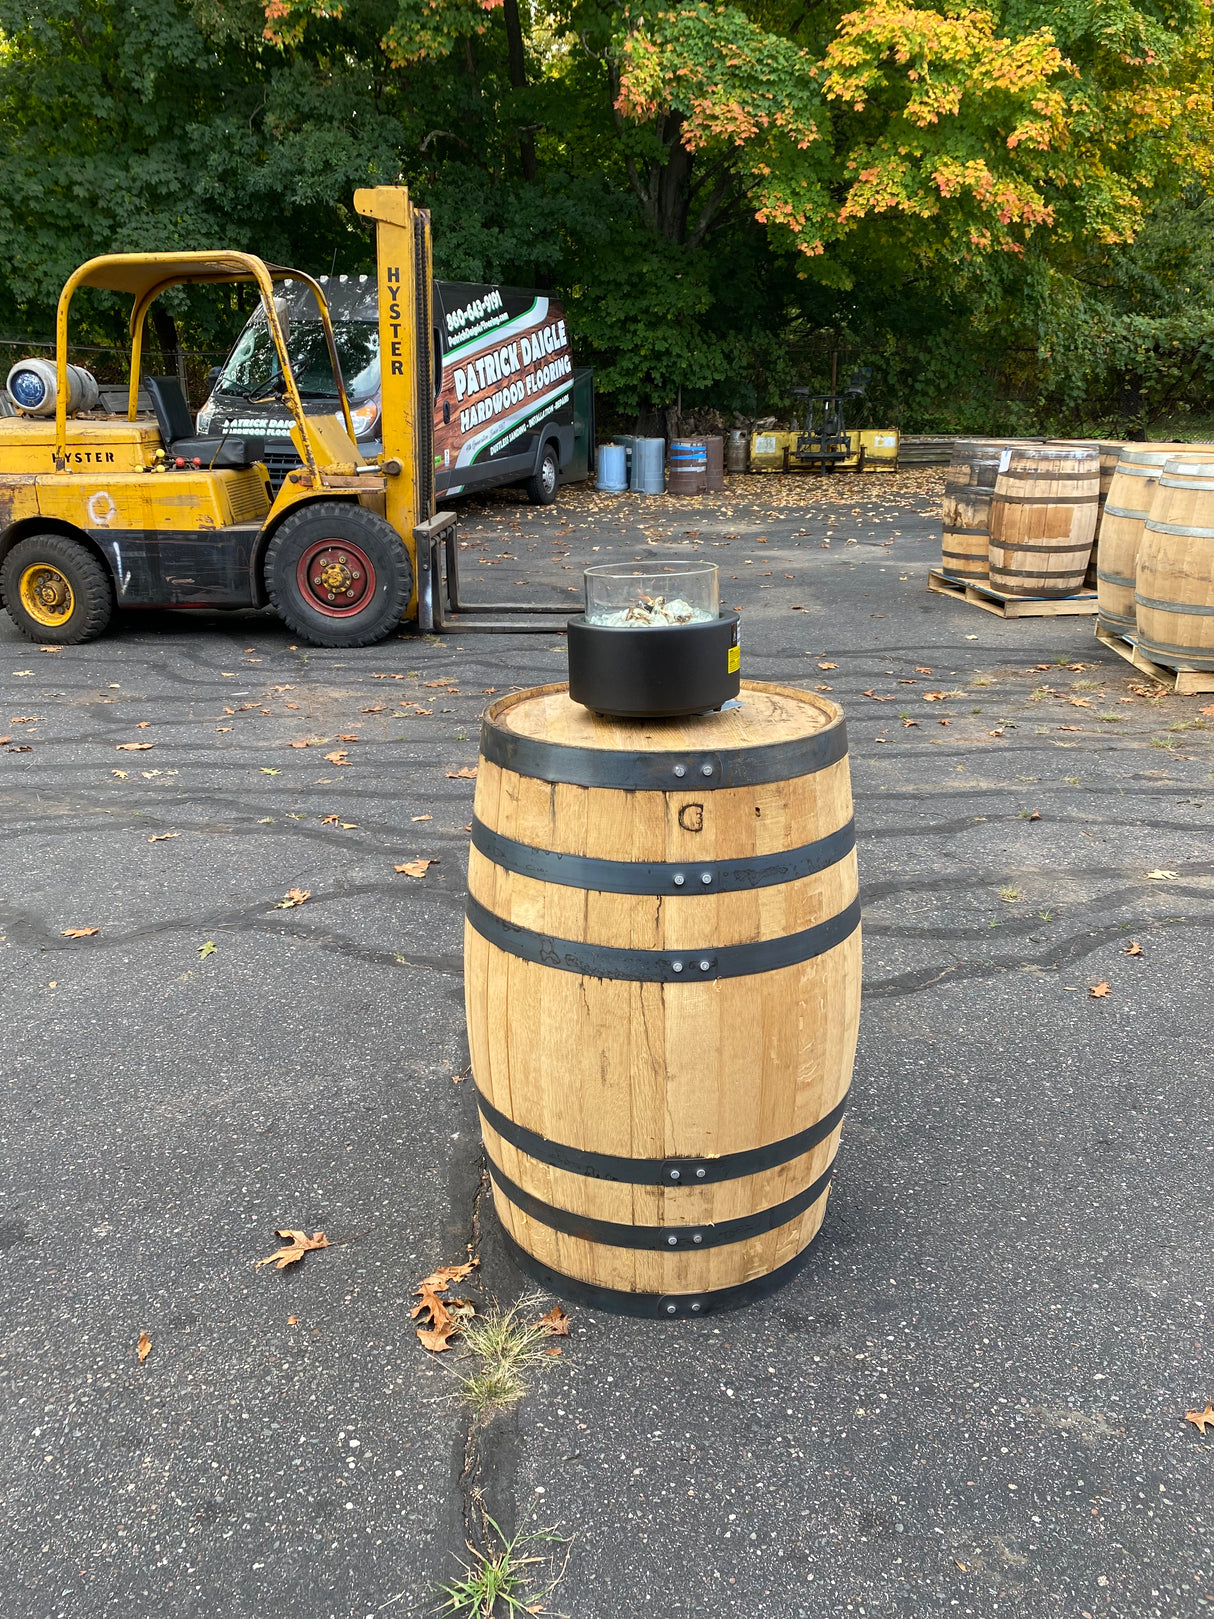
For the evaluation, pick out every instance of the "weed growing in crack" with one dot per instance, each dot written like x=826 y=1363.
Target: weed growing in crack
x=515 y=1574
x=1009 y=895
x=506 y=1347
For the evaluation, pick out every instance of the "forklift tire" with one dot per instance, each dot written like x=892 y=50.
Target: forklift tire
x=339 y=575
x=541 y=486
x=56 y=591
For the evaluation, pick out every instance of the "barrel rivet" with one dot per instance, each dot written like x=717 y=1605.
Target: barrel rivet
x=706 y=770
x=698 y=1237
x=674 y=1175
x=706 y=877
x=700 y=1174
x=672 y=1309
x=672 y=1242
x=705 y=965
x=676 y=966
x=679 y=879
x=680 y=770
x=697 y=1306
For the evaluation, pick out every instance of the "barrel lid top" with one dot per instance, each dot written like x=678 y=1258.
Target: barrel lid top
x=1156 y=454
x=765 y=714
x=1188 y=466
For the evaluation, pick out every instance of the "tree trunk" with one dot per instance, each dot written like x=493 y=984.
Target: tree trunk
x=165 y=328
x=517 y=66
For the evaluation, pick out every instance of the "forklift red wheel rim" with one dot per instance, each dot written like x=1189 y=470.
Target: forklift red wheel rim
x=336 y=578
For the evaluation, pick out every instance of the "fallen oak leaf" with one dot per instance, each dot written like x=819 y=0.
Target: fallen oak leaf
x=266 y=772
x=556 y=1322
x=1070 y=727
x=338 y=758
x=1035 y=816
x=1079 y=702
x=328 y=820
x=144 y=1347
x=163 y=837
x=347 y=736
x=1208 y=709
x=555 y=1350
x=121 y=774
x=21 y=748
x=934 y=696
x=415 y=868
x=907 y=723
x=143 y=725
x=1201 y=1419
x=1098 y=991
x=421 y=817
x=875 y=698
x=828 y=666
x=78 y=933
x=1132 y=949
x=207 y=949
x=134 y=747
x=465 y=772
x=299 y=1245
x=293 y=897
x=440 y=1280
x=1161 y=876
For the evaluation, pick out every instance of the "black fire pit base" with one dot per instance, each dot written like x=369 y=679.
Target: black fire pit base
x=640 y=671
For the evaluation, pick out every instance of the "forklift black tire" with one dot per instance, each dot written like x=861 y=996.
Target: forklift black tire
x=56 y=591
x=339 y=575
x=541 y=486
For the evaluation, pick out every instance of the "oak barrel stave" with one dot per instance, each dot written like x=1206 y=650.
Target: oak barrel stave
x=1043 y=520
x=1174 y=576
x=969 y=487
x=676 y=1069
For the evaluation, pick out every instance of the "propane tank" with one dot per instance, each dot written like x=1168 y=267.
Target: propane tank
x=32 y=388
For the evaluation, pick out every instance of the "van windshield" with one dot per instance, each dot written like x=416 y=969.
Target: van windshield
x=252 y=368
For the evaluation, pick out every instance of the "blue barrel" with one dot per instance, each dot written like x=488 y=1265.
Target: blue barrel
x=688 y=467
x=612 y=464
x=649 y=466
x=627 y=440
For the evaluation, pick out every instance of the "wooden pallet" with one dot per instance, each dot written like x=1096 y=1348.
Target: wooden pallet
x=1183 y=682
x=991 y=601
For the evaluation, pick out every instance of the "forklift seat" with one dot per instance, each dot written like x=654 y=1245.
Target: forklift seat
x=177 y=430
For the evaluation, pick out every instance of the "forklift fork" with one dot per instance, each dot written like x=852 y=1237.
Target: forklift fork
x=442 y=611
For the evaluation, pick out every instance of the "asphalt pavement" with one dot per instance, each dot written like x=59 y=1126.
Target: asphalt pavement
x=972 y=1399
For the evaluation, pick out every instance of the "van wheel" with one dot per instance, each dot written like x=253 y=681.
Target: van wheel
x=339 y=575
x=541 y=486
x=56 y=591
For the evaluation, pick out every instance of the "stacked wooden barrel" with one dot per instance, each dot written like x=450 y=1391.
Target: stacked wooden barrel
x=1043 y=519
x=1126 y=510
x=663 y=985
x=1174 y=576
x=969 y=488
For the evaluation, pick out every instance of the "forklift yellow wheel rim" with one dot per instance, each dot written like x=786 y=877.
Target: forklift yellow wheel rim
x=46 y=594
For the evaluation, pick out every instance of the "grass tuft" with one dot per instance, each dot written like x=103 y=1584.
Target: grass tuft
x=513 y=1575
x=507 y=1346
x=1009 y=895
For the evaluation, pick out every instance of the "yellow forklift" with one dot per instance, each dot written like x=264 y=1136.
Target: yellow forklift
x=100 y=512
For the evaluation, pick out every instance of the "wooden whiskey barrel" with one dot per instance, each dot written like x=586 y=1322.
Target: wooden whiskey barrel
x=969 y=487
x=1125 y=513
x=662 y=968
x=1043 y=519
x=1174 y=578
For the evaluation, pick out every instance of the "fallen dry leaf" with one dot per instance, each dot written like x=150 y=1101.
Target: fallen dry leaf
x=875 y=698
x=121 y=774
x=556 y=1322
x=377 y=709
x=338 y=758
x=308 y=742
x=299 y=1245
x=143 y=725
x=347 y=736
x=134 y=747
x=207 y=949
x=466 y=772
x=828 y=666
x=555 y=1350
x=906 y=724
x=1161 y=876
x=144 y=1347
x=292 y=1321
x=1201 y=1419
x=421 y=817
x=1208 y=709
x=415 y=868
x=329 y=820
x=1132 y=949
x=440 y=1280
x=1079 y=702
x=293 y=897
x=921 y=671
x=1098 y=991
x=445 y=1316
x=163 y=837
x=78 y=933
x=24 y=747
x=944 y=722
x=1035 y=816
x=1070 y=727
x=934 y=696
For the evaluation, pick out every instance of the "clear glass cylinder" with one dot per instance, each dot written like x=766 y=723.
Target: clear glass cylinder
x=637 y=594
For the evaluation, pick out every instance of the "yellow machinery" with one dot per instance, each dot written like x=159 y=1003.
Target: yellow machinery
x=99 y=512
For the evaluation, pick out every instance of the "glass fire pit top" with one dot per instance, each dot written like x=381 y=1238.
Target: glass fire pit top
x=639 y=594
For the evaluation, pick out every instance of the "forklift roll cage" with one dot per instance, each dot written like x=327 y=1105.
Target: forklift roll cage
x=145 y=276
